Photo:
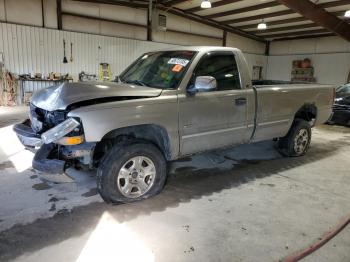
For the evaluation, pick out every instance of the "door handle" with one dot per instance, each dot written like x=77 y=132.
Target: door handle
x=240 y=101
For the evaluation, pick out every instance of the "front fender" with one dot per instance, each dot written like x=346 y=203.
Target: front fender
x=99 y=120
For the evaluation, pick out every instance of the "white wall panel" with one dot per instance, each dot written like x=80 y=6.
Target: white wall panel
x=245 y=44
x=185 y=39
x=77 y=7
x=330 y=58
x=33 y=49
x=331 y=44
x=126 y=31
x=126 y=14
x=329 y=68
x=30 y=12
x=181 y=24
x=78 y=24
x=24 y=12
x=2 y=10
x=50 y=13
x=256 y=60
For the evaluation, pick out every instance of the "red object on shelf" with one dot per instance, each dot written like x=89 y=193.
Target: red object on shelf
x=306 y=63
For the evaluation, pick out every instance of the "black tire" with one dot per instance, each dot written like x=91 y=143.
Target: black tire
x=114 y=160
x=287 y=145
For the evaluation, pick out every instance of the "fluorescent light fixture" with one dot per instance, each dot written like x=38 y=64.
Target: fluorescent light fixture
x=347 y=13
x=205 y=4
x=262 y=25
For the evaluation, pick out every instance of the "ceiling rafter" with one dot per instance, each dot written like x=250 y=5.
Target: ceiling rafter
x=244 y=9
x=257 y=17
x=281 y=13
x=173 y=2
x=289 y=28
x=285 y=28
x=285 y=21
x=303 y=37
x=210 y=22
x=317 y=14
x=213 y=5
x=278 y=22
x=165 y=6
x=298 y=33
x=168 y=6
x=133 y=4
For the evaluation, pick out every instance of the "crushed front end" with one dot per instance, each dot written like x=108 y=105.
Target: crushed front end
x=56 y=139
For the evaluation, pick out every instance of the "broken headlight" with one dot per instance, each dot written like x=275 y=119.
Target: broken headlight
x=59 y=131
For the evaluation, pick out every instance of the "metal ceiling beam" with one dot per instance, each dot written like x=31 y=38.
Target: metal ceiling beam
x=132 y=4
x=284 y=21
x=59 y=14
x=278 y=22
x=182 y=13
x=303 y=37
x=213 y=5
x=285 y=28
x=173 y=2
x=244 y=9
x=209 y=22
x=320 y=16
x=298 y=33
x=257 y=17
x=281 y=13
x=102 y=19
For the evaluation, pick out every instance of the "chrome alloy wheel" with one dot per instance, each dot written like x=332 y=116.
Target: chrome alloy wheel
x=301 y=141
x=136 y=176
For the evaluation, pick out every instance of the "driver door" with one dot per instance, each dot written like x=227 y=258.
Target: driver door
x=214 y=119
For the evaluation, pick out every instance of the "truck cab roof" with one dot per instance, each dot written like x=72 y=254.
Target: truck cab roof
x=201 y=48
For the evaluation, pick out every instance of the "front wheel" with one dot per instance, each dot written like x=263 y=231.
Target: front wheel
x=297 y=141
x=131 y=172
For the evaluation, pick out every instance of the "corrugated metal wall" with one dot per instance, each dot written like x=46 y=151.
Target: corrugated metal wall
x=33 y=49
x=29 y=50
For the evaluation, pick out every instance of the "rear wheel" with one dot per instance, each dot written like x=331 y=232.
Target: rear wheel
x=297 y=141
x=131 y=172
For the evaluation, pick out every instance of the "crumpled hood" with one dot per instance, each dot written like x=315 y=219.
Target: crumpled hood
x=61 y=96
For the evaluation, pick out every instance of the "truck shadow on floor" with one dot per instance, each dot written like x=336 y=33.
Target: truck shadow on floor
x=184 y=185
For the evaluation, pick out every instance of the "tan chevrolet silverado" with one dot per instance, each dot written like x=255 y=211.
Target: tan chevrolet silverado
x=166 y=105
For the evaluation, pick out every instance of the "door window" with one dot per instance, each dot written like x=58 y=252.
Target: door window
x=223 y=67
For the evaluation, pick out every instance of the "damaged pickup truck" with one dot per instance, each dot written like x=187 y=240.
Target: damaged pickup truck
x=166 y=105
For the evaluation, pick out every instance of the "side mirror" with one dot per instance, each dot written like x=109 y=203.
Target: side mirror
x=203 y=84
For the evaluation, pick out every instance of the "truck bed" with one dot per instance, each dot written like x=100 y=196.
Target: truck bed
x=259 y=83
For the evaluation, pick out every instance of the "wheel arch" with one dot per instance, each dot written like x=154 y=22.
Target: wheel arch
x=151 y=133
x=307 y=112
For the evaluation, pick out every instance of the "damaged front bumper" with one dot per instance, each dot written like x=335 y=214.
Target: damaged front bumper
x=27 y=136
x=43 y=163
x=53 y=158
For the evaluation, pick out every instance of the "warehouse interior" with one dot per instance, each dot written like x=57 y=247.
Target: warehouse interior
x=243 y=203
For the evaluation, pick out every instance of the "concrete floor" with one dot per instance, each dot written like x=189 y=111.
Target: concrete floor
x=243 y=204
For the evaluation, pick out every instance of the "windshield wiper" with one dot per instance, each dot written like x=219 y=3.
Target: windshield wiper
x=137 y=82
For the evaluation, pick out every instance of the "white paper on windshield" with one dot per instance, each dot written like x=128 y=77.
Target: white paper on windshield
x=178 y=61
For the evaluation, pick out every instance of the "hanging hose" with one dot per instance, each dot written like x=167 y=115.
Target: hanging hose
x=8 y=85
x=323 y=240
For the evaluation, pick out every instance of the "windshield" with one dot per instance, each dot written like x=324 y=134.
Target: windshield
x=160 y=69
x=344 y=89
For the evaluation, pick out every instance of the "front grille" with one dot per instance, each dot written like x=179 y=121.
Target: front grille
x=43 y=120
x=337 y=107
x=36 y=119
